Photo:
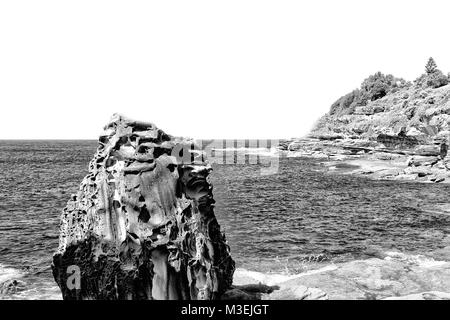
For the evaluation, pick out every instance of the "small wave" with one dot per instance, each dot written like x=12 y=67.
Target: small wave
x=437 y=209
x=9 y=281
x=271 y=279
x=42 y=292
x=7 y=273
x=11 y=287
x=419 y=260
x=50 y=236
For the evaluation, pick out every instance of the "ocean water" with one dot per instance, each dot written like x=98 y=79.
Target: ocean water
x=300 y=219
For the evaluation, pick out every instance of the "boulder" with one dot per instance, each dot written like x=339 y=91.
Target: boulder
x=387 y=173
x=332 y=136
x=142 y=224
x=295 y=146
x=283 y=145
x=427 y=150
x=400 y=141
x=414 y=132
x=422 y=161
x=406 y=177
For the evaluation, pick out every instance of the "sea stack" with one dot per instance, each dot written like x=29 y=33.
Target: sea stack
x=142 y=224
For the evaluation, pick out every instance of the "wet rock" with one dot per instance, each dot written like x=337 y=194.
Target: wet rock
x=142 y=225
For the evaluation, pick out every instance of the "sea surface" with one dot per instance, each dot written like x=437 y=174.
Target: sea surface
x=301 y=218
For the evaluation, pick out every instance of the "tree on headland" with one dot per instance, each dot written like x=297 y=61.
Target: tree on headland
x=431 y=66
x=433 y=77
x=379 y=85
x=373 y=88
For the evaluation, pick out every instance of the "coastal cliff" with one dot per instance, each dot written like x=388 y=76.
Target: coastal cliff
x=403 y=127
x=142 y=225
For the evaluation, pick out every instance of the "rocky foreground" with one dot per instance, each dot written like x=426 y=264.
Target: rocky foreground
x=387 y=276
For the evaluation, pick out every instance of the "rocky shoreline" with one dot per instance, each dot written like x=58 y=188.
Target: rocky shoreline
x=391 y=128
x=373 y=159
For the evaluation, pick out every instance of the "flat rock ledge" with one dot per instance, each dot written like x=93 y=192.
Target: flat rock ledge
x=142 y=224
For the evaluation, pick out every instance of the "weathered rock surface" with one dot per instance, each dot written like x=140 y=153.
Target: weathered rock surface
x=391 y=275
x=431 y=295
x=142 y=224
x=397 y=141
x=272 y=287
x=381 y=278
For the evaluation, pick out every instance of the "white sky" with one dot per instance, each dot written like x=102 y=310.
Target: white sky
x=205 y=69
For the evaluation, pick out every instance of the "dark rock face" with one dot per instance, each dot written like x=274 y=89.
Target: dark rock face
x=397 y=142
x=142 y=224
